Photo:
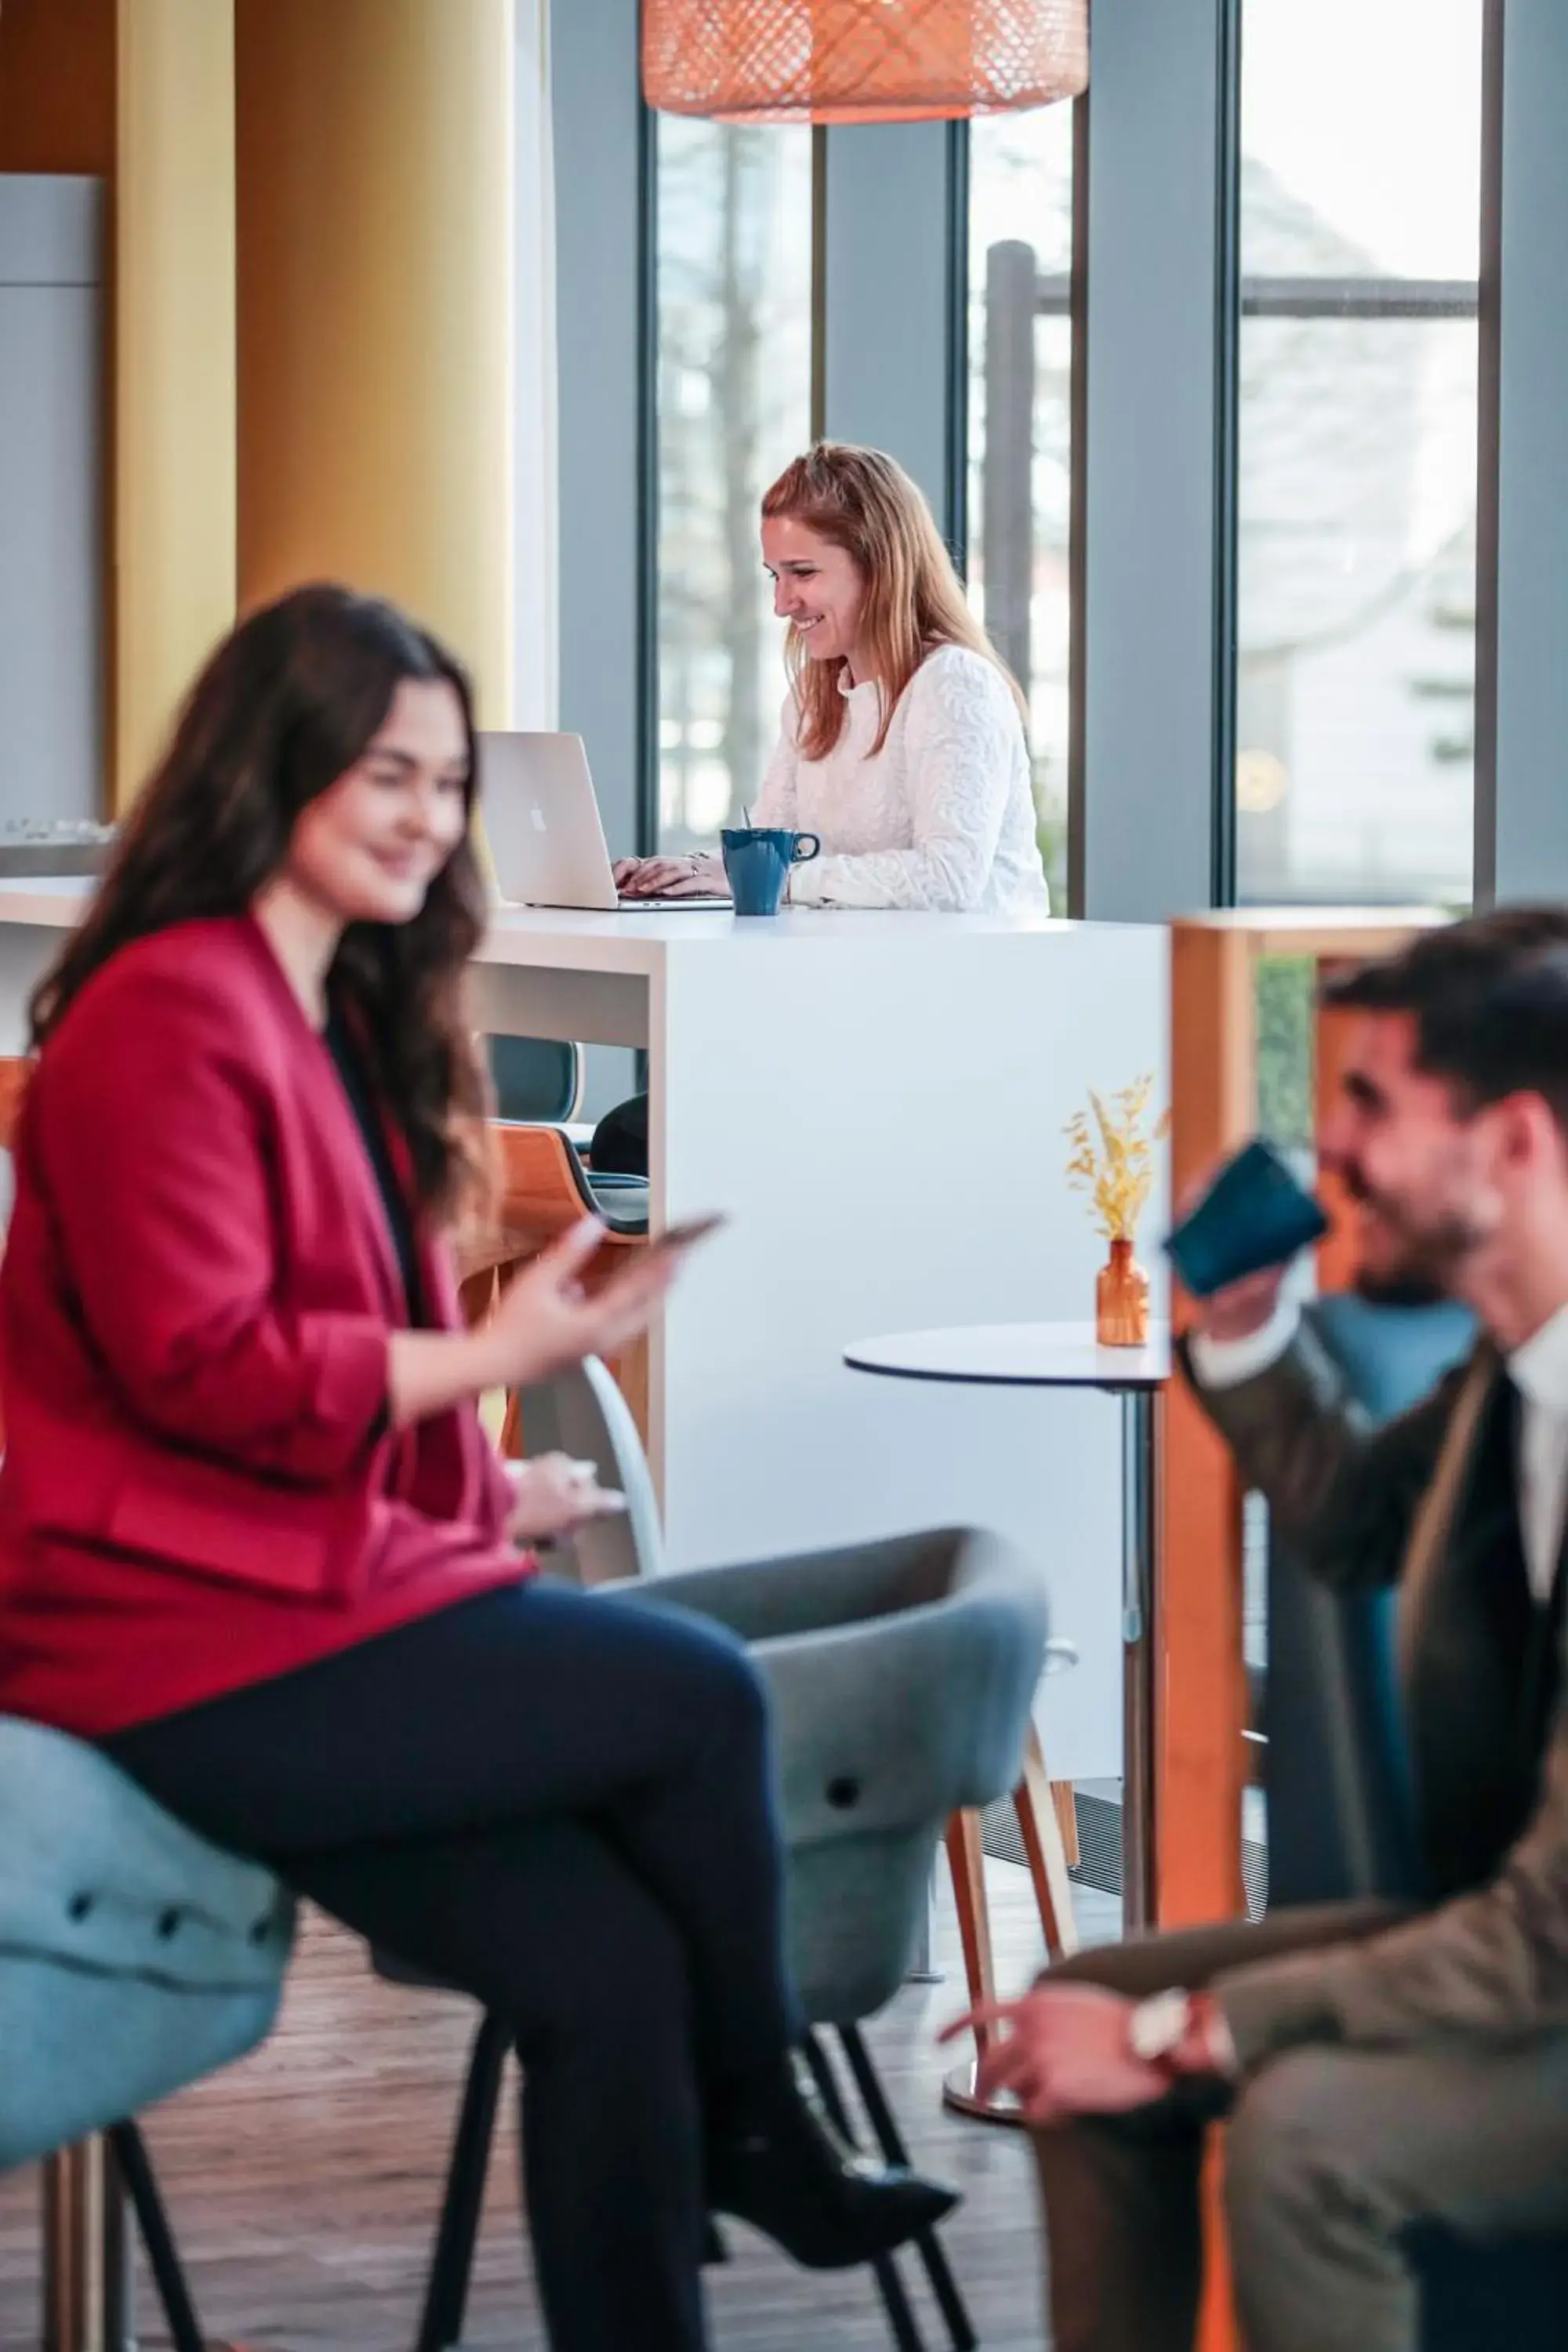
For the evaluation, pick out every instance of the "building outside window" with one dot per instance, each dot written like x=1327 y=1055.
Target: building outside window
x=733 y=295
x=1361 y=126
x=1020 y=429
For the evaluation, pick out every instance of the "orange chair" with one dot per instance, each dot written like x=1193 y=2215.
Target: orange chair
x=543 y=1190
x=15 y=1070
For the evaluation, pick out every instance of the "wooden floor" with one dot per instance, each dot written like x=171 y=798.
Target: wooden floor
x=303 y=2183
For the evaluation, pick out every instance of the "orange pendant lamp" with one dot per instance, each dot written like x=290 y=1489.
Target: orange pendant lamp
x=862 y=60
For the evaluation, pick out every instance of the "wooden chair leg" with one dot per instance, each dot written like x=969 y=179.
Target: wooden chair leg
x=966 y=1855
x=1064 y=1797
x=1041 y=1834
x=511 y=1427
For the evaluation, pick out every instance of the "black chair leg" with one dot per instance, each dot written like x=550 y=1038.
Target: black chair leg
x=929 y=2247
x=452 y=2261
x=135 y=2166
x=889 y=2285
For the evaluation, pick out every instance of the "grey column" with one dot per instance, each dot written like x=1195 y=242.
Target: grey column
x=1522 y=835
x=51 y=497
x=601 y=326
x=1151 y=468
x=892 y=329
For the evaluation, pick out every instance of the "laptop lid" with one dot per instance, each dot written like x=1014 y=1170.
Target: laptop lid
x=541 y=821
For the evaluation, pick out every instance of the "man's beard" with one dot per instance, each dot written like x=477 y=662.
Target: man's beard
x=1401 y=1286
x=1423 y=1267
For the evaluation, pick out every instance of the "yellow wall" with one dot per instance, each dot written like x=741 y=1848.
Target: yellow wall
x=310 y=311
x=375 y=310
x=174 y=442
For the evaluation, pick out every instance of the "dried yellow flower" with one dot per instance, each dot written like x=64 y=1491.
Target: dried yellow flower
x=1119 y=1174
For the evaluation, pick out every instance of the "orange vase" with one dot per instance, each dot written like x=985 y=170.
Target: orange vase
x=1122 y=1300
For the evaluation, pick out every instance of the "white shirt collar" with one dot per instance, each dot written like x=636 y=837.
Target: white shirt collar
x=1539 y=1368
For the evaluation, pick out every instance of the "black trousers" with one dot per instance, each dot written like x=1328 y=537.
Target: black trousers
x=565 y=1806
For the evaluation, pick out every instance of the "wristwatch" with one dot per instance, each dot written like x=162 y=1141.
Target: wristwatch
x=1158 y=2026
x=1161 y=2032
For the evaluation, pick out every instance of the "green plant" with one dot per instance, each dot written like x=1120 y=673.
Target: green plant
x=1286 y=988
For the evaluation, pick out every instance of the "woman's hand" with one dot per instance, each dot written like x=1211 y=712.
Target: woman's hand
x=553 y=1497
x=672 y=878
x=548 y=1319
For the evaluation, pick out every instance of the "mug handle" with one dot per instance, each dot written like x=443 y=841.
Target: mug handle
x=803 y=855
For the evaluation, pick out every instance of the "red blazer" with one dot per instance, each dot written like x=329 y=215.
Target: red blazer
x=198 y=1489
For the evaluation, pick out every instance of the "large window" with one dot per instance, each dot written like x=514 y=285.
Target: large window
x=1360 y=233
x=734 y=246
x=1020 y=429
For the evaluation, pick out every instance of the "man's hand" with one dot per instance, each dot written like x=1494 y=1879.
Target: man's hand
x=1065 y=2053
x=554 y=1497
x=1242 y=1307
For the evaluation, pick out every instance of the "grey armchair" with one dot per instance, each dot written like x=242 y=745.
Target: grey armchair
x=901 y=1674
x=135 y=1958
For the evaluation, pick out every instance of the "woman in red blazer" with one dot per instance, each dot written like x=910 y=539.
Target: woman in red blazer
x=254 y=1542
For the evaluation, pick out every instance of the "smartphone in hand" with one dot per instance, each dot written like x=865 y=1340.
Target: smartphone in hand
x=610 y=1256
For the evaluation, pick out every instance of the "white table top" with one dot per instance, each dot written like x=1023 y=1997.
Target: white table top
x=1018 y=1355
x=576 y=939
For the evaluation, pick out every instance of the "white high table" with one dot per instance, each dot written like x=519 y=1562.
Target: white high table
x=877 y=1101
x=1066 y=1356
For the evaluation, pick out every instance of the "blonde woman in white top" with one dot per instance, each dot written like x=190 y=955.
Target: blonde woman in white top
x=902 y=742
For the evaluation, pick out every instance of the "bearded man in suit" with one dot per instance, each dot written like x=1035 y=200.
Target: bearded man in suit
x=1380 y=2068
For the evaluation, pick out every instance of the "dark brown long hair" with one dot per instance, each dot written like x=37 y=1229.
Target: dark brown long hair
x=285 y=707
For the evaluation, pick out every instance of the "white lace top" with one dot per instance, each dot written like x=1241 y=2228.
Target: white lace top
x=941 y=817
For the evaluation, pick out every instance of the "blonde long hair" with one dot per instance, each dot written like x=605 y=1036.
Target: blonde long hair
x=863 y=501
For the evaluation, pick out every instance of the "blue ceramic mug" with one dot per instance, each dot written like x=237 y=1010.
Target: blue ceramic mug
x=757 y=860
x=1253 y=1215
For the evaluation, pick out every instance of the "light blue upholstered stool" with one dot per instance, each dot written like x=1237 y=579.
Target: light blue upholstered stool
x=135 y=1959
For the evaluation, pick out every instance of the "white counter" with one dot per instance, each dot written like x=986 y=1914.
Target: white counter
x=877 y=1102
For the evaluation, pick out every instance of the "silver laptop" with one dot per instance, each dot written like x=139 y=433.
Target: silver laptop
x=541 y=821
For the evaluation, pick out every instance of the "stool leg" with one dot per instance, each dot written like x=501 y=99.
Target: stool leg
x=1041 y=1834
x=889 y=2285
x=966 y=1853
x=451 y=2264
x=890 y=2140
x=1065 y=1798
x=135 y=2169
x=87 y=2292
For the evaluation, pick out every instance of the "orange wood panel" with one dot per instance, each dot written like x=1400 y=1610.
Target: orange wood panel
x=1218 y=2330
x=57 y=86
x=1201 y=1692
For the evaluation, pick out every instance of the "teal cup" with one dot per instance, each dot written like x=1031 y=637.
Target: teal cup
x=757 y=860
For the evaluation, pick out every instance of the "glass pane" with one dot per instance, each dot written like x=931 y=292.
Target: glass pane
x=1360 y=206
x=733 y=276
x=1020 y=428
